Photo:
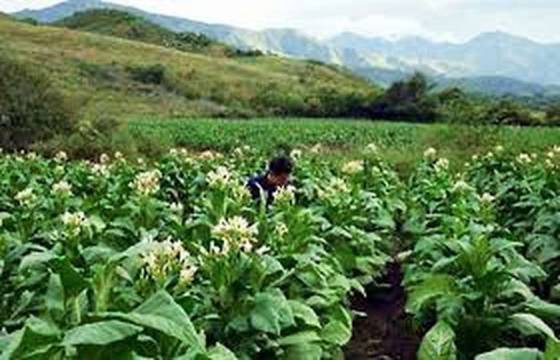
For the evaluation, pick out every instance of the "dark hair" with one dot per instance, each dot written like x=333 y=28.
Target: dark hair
x=281 y=165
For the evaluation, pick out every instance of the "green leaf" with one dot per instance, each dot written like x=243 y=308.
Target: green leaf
x=335 y=332
x=529 y=323
x=303 y=352
x=54 y=298
x=162 y=313
x=543 y=309
x=431 y=288
x=511 y=354
x=272 y=312
x=100 y=333
x=303 y=337
x=552 y=351
x=439 y=343
x=305 y=313
x=220 y=352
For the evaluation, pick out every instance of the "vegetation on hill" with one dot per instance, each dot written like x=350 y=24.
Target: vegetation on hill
x=31 y=109
x=128 y=26
x=106 y=77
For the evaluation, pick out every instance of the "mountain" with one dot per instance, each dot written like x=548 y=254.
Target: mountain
x=495 y=54
x=108 y=77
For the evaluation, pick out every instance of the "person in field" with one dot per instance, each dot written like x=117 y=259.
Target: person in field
x=277 y=175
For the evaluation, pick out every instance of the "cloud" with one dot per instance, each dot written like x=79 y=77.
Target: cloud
x=438 y=19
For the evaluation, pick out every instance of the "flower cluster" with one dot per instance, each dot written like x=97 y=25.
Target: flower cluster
x=285 y=195
x=430 y=154
x=75 y=222
x=295 y=154
x=487 y=198
x=281 y=229
x=461 y=186
x=104 y=159
x=334 y=188
x=167 y=258
x=62 y=188
x=26 y=197
x=371 y=149
x=209 y=155
x=147 y=183
x=353 y=167
x=61 y=157
x=524 y=159
x=236 y=233
x=219 y=178
x=442 y=164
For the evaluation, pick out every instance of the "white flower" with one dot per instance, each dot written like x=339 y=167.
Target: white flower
x=316 y=149
x=62 y=188
x=335 y=187
x=490 y=155
x=209 y=155
x=240 y=193
x=524 y=159
x=548 y=163
x=147 y=183
x=119 y=155
x=61 y=156
x=353 y=167
x=281 y=229
x=25 y=197
x=295 y=154
x=551 y=155
x=176 y=208
x=371 y=149
x=236 y=233
x=100 y=169
x=32 y=156
x=487 y=198
x=475 y=158
x=499 y=149
x=430 y=154
x=186 y=275
x=556 y=149
x=219 y=178
x=285 y=195
x=75 y=221
x=166 y=258
x=140 y=162
x=104 y=159
x=441 y=164
x=461 y=186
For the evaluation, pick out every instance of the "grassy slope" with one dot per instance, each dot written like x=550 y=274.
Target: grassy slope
x=127 y=26
x=91 y=69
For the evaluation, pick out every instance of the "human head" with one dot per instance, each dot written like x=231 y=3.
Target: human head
x=279 y=170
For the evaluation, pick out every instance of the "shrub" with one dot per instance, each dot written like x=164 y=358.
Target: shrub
x=151 y=74
x=31 y=108
x=553 y=114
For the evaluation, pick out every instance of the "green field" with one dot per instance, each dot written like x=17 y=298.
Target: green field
x=403 y=143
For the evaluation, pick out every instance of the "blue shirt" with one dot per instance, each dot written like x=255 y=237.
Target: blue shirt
x=259 y=183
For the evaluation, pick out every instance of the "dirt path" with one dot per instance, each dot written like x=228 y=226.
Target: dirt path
x=386 y=333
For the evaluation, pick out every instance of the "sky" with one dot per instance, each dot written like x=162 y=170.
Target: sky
x=450 y=20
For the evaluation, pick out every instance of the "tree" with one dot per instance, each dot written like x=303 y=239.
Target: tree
x=553 y=114
x=408 y=99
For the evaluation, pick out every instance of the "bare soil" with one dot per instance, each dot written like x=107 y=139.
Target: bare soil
x=386 y=332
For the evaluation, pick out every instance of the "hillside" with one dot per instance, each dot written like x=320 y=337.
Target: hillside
x=487 y=55
x=107 y=76
x=128 y=26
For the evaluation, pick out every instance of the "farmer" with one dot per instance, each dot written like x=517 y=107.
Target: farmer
x=277 y=176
